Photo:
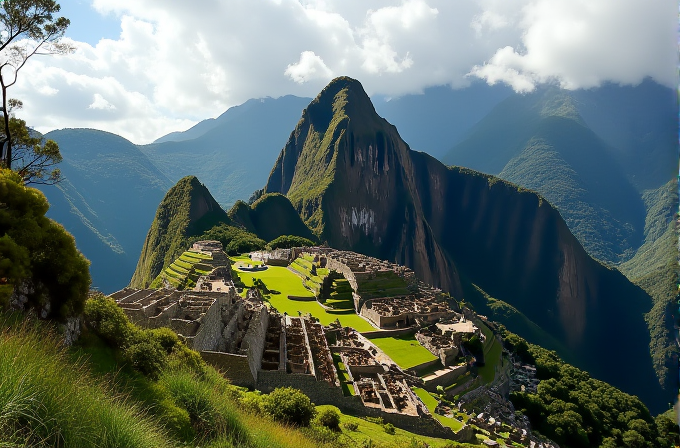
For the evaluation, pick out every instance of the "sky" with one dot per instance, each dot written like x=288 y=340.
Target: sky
x=144 y=68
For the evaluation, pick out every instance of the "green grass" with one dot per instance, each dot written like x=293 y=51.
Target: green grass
x=278 y=278
x=431 y=404
x=404 y=350
x=376 y=433
x=48 y=399
x=345 y=381
x=491 y=358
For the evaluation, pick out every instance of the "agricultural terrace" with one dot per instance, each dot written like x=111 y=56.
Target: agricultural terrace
x=431 y=404
x=283 y=283
x=404 y=350
x=492 y=353
x=184 y=271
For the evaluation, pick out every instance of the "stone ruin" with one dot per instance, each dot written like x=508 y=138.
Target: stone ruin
x=422 y=304
x=377 y=380
x=444 y=339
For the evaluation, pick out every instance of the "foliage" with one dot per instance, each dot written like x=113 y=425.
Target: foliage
x=289 y=241
x=576 y=410
x=234 y=240
x=390 y=429
x=328 y=417
x=38 y=252
x=289 y=405
x=28 y=28
x=654 y=269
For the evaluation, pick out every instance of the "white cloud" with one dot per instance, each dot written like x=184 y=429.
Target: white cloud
x=100 y=103
x=583 y=43
x=175 y=63
x=309 y=67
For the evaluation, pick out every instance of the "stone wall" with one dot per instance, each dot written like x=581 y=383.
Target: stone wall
x=254 y=340
x=234 y=367
x=446 y=378
x=389 y=333
x=208 y=334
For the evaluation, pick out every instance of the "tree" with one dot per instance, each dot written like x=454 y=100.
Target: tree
x=38 y=258
x=27 y=28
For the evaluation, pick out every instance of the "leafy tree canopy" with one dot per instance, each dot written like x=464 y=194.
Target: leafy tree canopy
x=37 y=254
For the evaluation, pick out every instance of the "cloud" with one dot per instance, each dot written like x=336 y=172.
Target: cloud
x=309 y=67
x=175 y=63
x=582 y=43
x=100 y=103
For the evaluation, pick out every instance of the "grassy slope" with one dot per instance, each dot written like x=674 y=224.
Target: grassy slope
x=85 y=398
x=281 y=279
x=404 y=350
x=654 y=268
x=431 y=404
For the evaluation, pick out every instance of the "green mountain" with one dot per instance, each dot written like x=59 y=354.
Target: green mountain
x=188 y=209
x=359 y=187
x=233 y=153
x=269 y=217
x=106 y=200
x=654 y=268
x=540 y=141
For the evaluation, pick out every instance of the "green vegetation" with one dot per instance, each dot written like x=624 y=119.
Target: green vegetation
x=340 y=295
x=654 y=268
x=431 y=404
x=285 y=283
x=187 y=210
x=37 y=252
x=404 y=350
x=576 y=410
x=289 y=241
x=234 y=240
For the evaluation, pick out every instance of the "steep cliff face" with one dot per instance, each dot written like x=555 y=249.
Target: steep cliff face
x=187 y=209
x=359 y=187
x=348 y=174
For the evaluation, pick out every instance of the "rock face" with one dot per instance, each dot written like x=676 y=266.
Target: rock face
x=359 y=187
x=187 y=209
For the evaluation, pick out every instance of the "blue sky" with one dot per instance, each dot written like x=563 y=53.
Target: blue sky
x=88 y=25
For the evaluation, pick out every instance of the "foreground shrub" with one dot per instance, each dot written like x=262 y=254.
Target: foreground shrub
x=147 y=357
x=390 y=429
x=289 y=405
x=108 y=320
x=329 y=417
x=350 y=426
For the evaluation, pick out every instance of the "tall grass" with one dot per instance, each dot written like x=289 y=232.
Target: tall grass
x=46 y=399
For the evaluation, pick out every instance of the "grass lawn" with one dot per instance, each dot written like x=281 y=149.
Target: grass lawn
x=245 y=259
x=431 y=403
x=280 y=279
x=404 y=350
x=491 y=359
x=373 y=431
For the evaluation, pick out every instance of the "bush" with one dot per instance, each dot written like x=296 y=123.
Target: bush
x=252 y=402
x=289 y=405
x=167 y=338
x=390 y=429
x=147 y=357
x=288 y=241
x=350 y=426
x=108 y=320
x=329 y=417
